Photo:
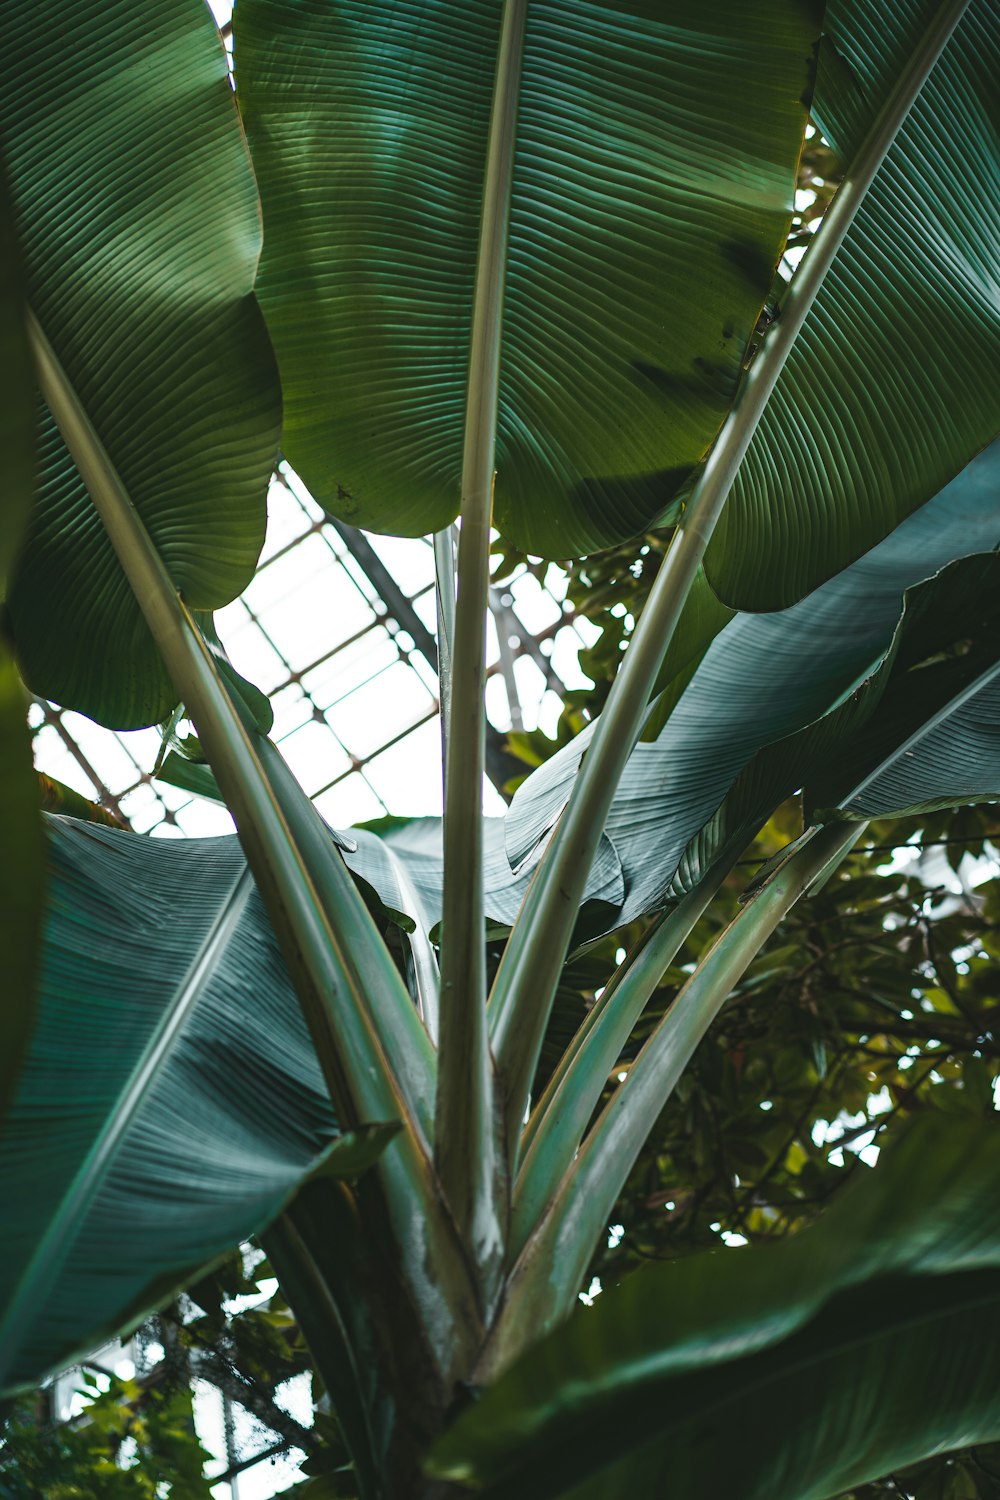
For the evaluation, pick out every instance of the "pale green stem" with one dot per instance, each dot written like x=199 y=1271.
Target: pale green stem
x=544 y=1283
x=397 y=1023
x=465 y=1140
x=349 y=1052
x=444 y=589
x=529 y=972
x=560 y=1118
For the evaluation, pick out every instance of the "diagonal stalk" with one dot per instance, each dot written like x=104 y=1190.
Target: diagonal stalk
x=568 y=1101
x=560 y=1118
x=529 y=971
x=546 y=1279
x=465 y=1138
x=397 y=1023
x=336 y=1008
x=444 y=593
x=56 y=1245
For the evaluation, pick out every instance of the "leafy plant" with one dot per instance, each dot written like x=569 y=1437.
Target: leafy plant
x=61 y=1461
x=515 y=265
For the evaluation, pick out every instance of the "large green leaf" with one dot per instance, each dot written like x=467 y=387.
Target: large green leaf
x=798 y=1369
x=170 y=1101
x=934 y=742
x=402 y=862
x=655 y=159
x=891 y=386
x=138 y=219
x=700 y=621
x=909 y=736
x=21 y=868
x=763 y=677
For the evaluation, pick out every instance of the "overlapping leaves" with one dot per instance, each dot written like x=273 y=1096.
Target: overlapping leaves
x=797 y=1369
x=137 y=217
x=21 y=870
x=877 y=406
x=651 y=197
x=170 y=1101
x=913 y=735
x=763 y=677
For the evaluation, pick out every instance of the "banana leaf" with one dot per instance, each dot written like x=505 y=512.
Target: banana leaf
x=401 y=861
x=797 y=1369
x=914 y=735
x=17 y=409
x=138 y=221
x=170 y=1102
x=763 y=677
x=933 y=743
x=891 y=386
x=656 y=150
x=22 y=874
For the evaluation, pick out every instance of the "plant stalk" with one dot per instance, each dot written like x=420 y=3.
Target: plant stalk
x=560 y=1118
x=529 y=971
x=444 y=592
x=544 y=1284
x=349 y=1051
x=465 y=1146
x=397 y=1022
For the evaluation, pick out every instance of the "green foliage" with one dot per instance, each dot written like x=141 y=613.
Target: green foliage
x=794 y=1368
x=174 y=1094
x=974 y=1475
x=21 y=871
x=187 y=1044
x=762 y=678
x=833 y=1015
x=137 y=217
x=246 y=1352
x=133 y=1441
x=916 y=732
x=639 y=147
x=21 y=878
x=848 y=422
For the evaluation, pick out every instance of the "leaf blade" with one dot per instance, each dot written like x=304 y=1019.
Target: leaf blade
x=873 y=414
x=643 y=1386
x=221 y=1133
x=137 y=216
x=762 y=677
x=22 y=868
x=651 y=198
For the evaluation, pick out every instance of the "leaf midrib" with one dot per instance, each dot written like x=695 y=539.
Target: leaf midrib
x=939 y=717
